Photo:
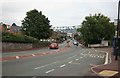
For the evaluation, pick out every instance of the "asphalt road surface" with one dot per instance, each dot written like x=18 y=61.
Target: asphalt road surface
x=73 y=61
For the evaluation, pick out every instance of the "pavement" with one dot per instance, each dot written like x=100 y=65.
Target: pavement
x=110 y=70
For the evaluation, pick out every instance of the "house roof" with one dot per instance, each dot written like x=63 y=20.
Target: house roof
x=16 y=28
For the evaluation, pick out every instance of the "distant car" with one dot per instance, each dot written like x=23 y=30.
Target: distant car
x=75 y=43
x=53 y=46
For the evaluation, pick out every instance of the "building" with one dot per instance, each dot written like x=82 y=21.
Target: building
x=1 y=27
x=9 y=28
x=69 y=30
x=15 y=29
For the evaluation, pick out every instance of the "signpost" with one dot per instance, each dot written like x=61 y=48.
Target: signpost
x=117 y=52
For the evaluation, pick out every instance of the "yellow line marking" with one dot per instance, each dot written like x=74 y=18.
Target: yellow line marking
x=108 y=73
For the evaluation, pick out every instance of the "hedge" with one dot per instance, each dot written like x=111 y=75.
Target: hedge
x=9 y=37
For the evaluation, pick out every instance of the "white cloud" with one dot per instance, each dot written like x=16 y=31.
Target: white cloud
x=59 y=0
x=59 y=12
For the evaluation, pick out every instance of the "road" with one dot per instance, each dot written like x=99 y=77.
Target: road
x=72 y=61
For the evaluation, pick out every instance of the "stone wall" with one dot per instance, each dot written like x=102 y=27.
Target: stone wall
x=15 y=46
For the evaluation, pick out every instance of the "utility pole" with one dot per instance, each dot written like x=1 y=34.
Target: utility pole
x=118 y=34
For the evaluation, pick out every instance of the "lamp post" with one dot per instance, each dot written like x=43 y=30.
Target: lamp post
x=118 y=33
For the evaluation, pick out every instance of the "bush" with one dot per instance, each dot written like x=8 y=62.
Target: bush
x=8 y=37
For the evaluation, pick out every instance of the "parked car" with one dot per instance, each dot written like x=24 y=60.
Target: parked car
x=53 y=46
x=75 y=43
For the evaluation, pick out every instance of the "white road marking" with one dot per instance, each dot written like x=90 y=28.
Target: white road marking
x=45 y=65
x=98 y=56
x=50 y=71
x=90 y=55
x=70 y=62
x=106 y=59
x=17 y=57
x=81 y=53
x=92 y=65
x=76 y=59
x=101 y=56
x=62 y=65
x=75 y=63
x=81 y=57
x=72 y=56
x=52 y=63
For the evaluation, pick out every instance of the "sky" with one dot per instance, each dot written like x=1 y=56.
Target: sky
x=59 y=12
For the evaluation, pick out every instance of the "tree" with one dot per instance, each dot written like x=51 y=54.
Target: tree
x=5 y=27
x=36 y=24
x=14 y=24
x=96 y=28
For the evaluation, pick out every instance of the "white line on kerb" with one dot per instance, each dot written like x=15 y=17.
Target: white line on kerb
x=110 y=59
x=106 y=59
x=50 y=71
x=33 y=54
x=62 y=65
x=17 y=57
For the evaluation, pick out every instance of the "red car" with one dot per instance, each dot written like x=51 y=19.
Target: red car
x=53 y=46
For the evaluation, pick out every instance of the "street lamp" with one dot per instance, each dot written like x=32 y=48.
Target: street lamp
x=118 y=34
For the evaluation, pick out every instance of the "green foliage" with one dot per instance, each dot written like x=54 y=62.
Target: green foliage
x=5 y=27
x=37 y=25
x=59 y=36
x=8 y=37
x=96 y=28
